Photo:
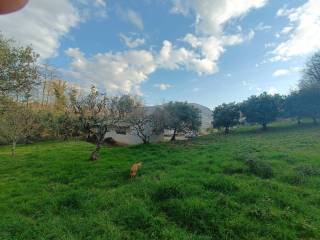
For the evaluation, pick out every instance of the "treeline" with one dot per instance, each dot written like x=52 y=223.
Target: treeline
x=35 y=105
x=266 y=108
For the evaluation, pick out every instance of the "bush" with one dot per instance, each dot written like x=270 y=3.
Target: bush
x=233 y=168
x=307 y=170
x=302 y=173
x=71 y=201
x=168 y=191
x=259 y=168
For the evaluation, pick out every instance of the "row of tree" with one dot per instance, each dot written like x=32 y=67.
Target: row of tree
x=36 y=105
x=266 y=108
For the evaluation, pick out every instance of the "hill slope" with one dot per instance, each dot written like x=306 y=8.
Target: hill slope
x=249 y=185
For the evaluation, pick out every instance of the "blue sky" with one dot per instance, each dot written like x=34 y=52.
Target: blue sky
x=203 y=51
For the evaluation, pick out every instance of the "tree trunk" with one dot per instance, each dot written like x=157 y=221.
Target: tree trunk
x=264 y=126
x=13 y=151
x=95 y=153
x=299 y=120
x=315 y=120
x=226 y=130
x=173 y=138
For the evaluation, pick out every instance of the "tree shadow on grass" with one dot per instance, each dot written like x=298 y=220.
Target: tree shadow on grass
x=287 y=126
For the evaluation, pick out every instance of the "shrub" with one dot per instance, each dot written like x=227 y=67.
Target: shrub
x=168 y=191
x=71 y=201
x=302 y=173
x=259 y=168
x=307 y=170
x=233 y=168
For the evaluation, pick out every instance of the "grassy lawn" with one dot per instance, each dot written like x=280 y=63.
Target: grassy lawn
x=249 y=185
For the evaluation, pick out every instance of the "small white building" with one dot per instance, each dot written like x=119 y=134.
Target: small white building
x=126 y=134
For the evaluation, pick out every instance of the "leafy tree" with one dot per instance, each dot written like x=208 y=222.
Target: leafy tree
x=226 y=115
x=181 y=118
x=16 y=124
x=18 y=70
x=294 y=107
x=262 y=109
x=67 y=125
x=304 y=103
x=311 y=72
x=310 y=102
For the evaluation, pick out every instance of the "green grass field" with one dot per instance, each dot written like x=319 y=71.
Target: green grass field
x=249 y=185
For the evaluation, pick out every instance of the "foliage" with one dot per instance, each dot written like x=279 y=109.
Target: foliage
x=304 y=103
x=259 y=168
x=18 y=70
x=262 y=109
x=99 y=114
x=16 y=123
x=311 y=73
x=181 y=118
x=226 y=115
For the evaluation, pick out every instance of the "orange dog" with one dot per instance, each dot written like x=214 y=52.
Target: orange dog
x=134 y=169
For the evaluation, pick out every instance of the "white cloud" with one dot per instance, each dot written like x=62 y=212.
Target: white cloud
x=212 y=15
x=287 y=30
x=132 y=17
x=286 y=72
x=259 y=90
x=303 y=31
x=116 y=72
x=281 y=72
x=41 y=24
x=101 y=3
x=173 y=58
x=209 y=41
x=262 y=27
x=131 y=42
x=162 y=86
x=208 y=49
x=272 y=91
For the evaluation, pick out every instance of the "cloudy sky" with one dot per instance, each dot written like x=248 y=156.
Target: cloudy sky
x=203 y=51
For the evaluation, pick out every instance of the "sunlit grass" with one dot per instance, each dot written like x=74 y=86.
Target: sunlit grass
x=199 y=189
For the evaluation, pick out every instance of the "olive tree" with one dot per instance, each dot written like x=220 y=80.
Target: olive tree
x=99 y=114
x=262 y=109
x=226 y=115
x=181 y=118
x=146 y=122
x=16 y=123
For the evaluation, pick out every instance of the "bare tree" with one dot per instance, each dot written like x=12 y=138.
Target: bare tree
x=146 y=123
x=311 y=72
x=99 y=114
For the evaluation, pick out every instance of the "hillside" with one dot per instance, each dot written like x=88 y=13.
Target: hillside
x=249 y=185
